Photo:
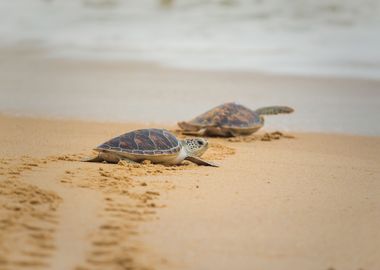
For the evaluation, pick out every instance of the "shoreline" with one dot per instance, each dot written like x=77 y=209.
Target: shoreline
x=308 y=202
x=33 y=84
x=167 y=125
x=43 y=52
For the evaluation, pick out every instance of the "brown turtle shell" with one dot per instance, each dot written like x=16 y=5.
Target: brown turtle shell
x=229 y=115
x=144 y=142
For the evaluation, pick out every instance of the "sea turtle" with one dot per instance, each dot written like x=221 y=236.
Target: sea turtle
x=230 y=119
x=156 y=145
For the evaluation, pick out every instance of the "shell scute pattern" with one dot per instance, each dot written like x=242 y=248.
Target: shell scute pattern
x=228 y=115
x=144 y=142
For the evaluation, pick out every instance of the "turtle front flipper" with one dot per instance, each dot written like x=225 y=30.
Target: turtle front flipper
x=199 y=161
x=274 y=110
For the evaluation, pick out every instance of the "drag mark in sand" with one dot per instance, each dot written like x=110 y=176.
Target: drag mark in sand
x=43 y=229
x=78 y=214
x=126 y=203
x=27 y=225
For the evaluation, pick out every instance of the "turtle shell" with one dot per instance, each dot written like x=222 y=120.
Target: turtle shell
x=229 y=115
x=144 y=142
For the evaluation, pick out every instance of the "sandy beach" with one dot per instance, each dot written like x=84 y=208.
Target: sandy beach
x=308 y=202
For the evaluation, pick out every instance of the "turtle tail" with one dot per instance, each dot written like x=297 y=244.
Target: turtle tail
x=274 y=110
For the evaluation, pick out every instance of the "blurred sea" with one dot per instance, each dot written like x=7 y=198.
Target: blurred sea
x=324 y=37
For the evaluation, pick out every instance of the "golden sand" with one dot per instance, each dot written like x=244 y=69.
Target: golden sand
x=278 y=201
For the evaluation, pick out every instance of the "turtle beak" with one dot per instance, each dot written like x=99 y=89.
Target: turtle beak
x=206 y=144
x=203 y=142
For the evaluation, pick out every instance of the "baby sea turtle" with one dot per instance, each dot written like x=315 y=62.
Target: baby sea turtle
x=230 y=119
x=156 y=145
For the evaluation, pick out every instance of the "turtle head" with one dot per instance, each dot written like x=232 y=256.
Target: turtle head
x=195 y=147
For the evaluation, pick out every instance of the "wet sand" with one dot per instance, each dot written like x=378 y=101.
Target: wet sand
x=308 y=202
x=34 y=83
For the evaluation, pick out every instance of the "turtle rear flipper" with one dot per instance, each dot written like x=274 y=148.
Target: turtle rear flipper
x=199 y=161
x=96 y=158
x=187 y=126
x=107 y=157
x=274 y=110
x=201 y=132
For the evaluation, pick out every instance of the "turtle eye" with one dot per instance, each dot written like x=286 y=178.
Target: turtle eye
x=200 y=142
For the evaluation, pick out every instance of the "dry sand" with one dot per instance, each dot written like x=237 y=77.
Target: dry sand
x=309 y=202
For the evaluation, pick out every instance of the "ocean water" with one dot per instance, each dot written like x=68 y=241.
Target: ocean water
x=324 y=37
